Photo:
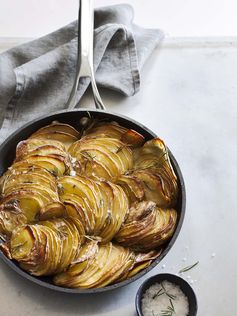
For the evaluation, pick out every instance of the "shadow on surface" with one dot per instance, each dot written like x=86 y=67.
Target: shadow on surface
x=68 y=304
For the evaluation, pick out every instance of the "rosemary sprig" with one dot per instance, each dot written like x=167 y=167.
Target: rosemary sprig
x=159 y=293
x=172 y=306
x=188 y=267
x=87 y=155
x=171 y=296
x=169 y=311
x=166 y=312
x=119 y=149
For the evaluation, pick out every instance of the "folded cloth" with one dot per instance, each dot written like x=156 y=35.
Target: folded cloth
x=36 y=78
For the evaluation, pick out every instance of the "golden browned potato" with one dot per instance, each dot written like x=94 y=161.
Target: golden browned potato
x=159 y=185
x=11 y=217
x=104 y=185
x=102 y=157
x=48 y=247
x=147 y=226
x=60 y=132
x=114 y=130
x=27 y=146
x=100 y=265
x=100 y=205
x=32 y=190
x=133 y=187
x=153 y=168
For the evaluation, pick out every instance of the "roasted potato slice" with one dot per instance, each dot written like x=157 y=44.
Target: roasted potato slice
x=60 y=132
x=81 y=187
x=62 y=137
x=132 y=138
x=58 y=127
x=53 y=163
x=47 y=193
x=114 y=130
x=50 y=151
x=11 y=217
x=154 y=154
x=97 y=270
x=23 y=172
x=53 y=210
x=105 y=186
x=48 y=247
x=111 y=129
x=140 y=262
x=103 y=204
x=132 y=186
x=28 y=201
x=106 y=157
x=27 y=146
x=147 y=227
x=78 y=207
x=116 y=215
x=28 y=178
x=159 y=186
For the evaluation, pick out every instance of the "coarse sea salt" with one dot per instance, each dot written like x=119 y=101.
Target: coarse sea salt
x=154 y=303
x=73 y=173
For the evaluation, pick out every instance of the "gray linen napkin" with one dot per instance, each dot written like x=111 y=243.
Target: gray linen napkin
x=36 y=77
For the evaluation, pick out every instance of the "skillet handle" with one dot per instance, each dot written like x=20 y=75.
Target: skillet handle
x=85 y=67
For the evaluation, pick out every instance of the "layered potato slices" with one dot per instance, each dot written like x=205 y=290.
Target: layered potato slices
x=89 y=208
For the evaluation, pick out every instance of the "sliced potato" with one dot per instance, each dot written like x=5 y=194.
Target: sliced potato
x=48 y=247
x=111 y=129
x=147 y=227
x=116 y=215
x=28 y=201
x=24 y=172
x=133 y=187
x=11 y=217
x=101 y=206
x=58 y=127
x=106 y=158
x=107 y=188
x=133 y=138
x=52 y=210
x=158 y=186
x=78 y=207
x=62 y=137
x=31 y=144
x=28 y=178
x=96 y=270
x=53 y=163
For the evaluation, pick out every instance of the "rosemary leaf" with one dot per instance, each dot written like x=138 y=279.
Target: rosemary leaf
x=119 y=149
x=166 y=313
x=171 y=296
x=189 y=267
x=158 y=294
x=172 y=306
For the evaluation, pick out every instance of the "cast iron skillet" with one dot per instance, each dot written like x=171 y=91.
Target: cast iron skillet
x=7 y=155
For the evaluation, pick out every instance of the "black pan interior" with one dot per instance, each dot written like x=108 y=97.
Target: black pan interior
x=7 y=155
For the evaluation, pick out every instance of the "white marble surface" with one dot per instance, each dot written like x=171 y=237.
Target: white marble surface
x=33 y=18
x=188 y=97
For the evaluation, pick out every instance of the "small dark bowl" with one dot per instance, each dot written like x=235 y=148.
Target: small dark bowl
x=184 y=286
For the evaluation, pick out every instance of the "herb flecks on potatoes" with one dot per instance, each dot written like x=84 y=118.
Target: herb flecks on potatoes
x=91 y=208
